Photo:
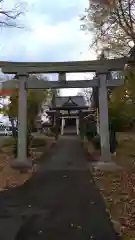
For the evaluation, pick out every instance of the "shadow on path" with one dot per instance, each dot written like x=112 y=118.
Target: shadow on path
x=60 y=202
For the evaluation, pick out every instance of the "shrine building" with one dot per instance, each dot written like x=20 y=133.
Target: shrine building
x=68 y=112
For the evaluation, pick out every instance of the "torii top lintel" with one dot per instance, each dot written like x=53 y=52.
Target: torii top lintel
x=58 y=67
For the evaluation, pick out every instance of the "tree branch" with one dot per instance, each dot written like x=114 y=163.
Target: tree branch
x=8 y=17
x=113 y=25
x=9 y=14
x=119 y=21
x=123 y=13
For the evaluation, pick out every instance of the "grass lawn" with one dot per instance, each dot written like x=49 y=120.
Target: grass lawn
x=118 y=188
x=10 y=177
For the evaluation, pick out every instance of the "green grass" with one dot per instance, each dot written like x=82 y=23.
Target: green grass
x=38 y=142
x=6 y=141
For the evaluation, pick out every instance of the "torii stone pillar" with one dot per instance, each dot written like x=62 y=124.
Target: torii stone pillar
x=62 y=125
x=103 y=119
x=97 y=120
x=22 y=161
x=77 y=126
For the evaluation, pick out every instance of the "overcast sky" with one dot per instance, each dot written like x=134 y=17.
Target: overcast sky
x=52 y=34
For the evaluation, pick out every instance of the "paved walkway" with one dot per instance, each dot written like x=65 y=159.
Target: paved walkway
x=60 y=202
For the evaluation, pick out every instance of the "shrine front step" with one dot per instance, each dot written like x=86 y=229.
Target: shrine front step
x=68 y=133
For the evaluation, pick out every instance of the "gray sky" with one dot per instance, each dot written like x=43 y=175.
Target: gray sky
x=52 y=34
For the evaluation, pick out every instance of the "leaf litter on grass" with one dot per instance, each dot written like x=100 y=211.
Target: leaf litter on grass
x=119 y=194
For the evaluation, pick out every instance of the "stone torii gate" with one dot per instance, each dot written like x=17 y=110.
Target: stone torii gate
x=101 y=67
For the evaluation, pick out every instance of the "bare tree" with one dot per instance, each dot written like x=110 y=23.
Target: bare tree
x=86 y=92
x=9 y=16
x=112 y=23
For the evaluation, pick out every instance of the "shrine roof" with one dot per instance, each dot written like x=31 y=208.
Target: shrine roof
x=71 y=101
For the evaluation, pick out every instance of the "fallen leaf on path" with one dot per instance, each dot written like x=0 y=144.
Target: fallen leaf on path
x=91 y=237
x=91 y=181
x=79 y=227
x=92 y=202
x=117 y=226
x=1 y=167
x=71 y=225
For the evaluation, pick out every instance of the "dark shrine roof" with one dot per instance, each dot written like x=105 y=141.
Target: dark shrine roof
x=72 y=101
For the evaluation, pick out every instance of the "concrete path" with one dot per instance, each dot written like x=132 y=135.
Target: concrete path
x=60 y=202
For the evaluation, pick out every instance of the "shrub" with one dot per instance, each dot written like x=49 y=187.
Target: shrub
x=8 y=141
x=96 y=141
x=90 y=129
x=38 y=142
